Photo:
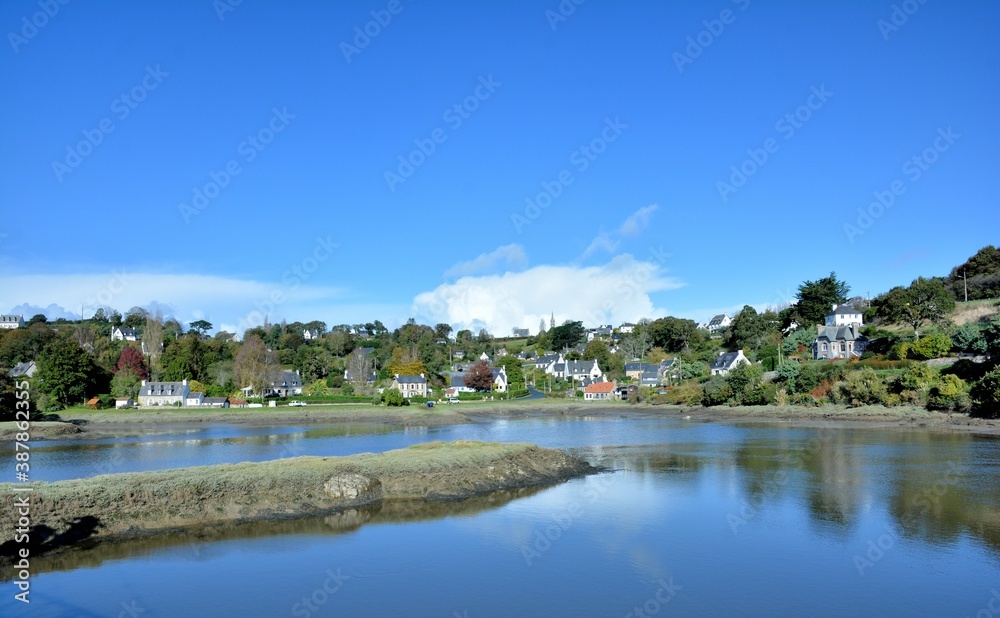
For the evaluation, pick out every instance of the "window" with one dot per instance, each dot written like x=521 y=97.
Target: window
x=843 y=347
x=824 y=347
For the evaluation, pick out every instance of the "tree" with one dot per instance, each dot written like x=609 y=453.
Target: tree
x=541 y=326
x=672 y=334
x=152 y=341
x=126 y=383
x=464 y=335
x=38 y=318
x=514 y=370
x=479 y=377
x=135 y=317
x=968 y=338
x=442 y=331
x=202 y=326
x=484 y=336
x=926 y=300
x=255 y=365
x=359 y=369
x=747 y=331
x=131 y=360
x=980 y=274
x=634 y=345
x=567 y=335
x=816 y=299
x=65 y=372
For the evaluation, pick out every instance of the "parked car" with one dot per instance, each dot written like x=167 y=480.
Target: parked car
x=297 y=404
x=453 y=400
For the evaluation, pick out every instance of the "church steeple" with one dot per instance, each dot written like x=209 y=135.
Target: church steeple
x=552 y=321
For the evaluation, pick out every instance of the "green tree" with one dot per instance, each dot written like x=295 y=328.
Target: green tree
x=969 y=338
x=930 y=346
x=674 y=335
x=816 y=299
x=515 y=372
x=135 y=318
x=202 y=326
x=442 y=331
x=980 y=274
x=65 y=372
x=125 y=384
x=567 y=335
x=747 y=331
x=986 y=394
x=926 y=300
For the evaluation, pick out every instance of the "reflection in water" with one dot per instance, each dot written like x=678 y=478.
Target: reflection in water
x=199 y=539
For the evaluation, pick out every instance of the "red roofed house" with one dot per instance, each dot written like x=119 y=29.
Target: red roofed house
x=599 y=391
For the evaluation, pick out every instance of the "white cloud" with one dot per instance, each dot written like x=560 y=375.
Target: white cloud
x=634 y=224
x=188 y=297
x=507 y=256
x=615 y=292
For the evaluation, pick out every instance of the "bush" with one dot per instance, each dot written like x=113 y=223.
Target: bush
x=986 y=395
x=969 y=338
x=931 y=346
x=687 y=394
x=716 y=392
x=393 y=397
x=822 y=391
x=861 y=387
x=900 y=351
x=745 y=382
x=950 y=393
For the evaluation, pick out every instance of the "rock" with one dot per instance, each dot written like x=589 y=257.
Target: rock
x=353 y=488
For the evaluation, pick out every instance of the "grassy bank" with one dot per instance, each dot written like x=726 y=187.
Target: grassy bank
x=121 y=505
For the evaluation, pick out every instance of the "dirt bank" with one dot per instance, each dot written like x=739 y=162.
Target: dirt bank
x=122 y=505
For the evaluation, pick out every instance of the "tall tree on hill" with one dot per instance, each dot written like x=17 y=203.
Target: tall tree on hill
x=816 y=299
x=65 y=372
x=202 y=326
x=980 y=275
x=747 y=331
x=479 y=377
x=926 y=300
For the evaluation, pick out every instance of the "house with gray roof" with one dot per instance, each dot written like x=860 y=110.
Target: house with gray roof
x=11 y=322
x=163 y=393
x=719 y=322
x=410 y=386
x=124 y=333
x=834 y=342
x=844 y=315
x=23 y=370
x=727 y=361
x=579 y=370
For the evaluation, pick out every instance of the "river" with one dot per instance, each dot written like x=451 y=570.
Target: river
x=692 y=519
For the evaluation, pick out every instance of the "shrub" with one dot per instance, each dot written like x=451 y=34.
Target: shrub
x=900 y=351
x=687 y=394
x=931 y=346
x=822 y=391
x=745 y=382
x=950 y=393
x=781 y=397
x=861 y=387
x=716 y=392
x=918 y=377
x=986 y=394
x=968 y=338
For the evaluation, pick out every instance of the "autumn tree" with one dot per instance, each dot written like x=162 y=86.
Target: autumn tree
x=131 y=359
x=255 y=366
x=479 y=376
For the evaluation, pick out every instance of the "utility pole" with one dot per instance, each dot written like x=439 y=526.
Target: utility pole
x=965 y=284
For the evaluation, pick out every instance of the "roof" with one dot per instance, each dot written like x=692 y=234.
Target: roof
x=23 y=369
x=725 y=360
x=93 y=400
x=196 y=395
x=840 y=333
x=411 y=379
x=237 y=402
x=600 y=387
x=287 y=378
x=11 y=318
x=162 y=388
x=638 y=366
x=457 y=379
x=842 y=309
x=716 y=320
x=580 y=366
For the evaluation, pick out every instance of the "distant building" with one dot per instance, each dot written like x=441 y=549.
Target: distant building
x=23 y=370
x=727 y=361
x=599 y=391
x=163 y=393
x=841 y=336
x=410 y=386
x=719 y=322
x=522 y=332
x=844 y=315
x=11 y=322
x=123 y=333
x=626 y=328
x=310 y=334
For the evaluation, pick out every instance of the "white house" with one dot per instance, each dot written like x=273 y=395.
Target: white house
x=626 y=328
x=833 y=342
x=163 y=393
x=599 y=391
x=581 y=370
x=123 y=333
x=11 y=321
x=499 y=379
x=25 y=370
x=310 y=333
x=727 y=361
x=844 y=315
x=719 y=322
x=194 y=399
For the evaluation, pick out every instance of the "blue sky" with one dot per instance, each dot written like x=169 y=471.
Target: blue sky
x=622 y=119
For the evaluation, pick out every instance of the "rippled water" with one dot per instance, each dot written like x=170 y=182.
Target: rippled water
x=693 y=519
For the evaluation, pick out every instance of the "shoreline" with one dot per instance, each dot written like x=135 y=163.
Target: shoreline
x=128 y=505
x=80 y=424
